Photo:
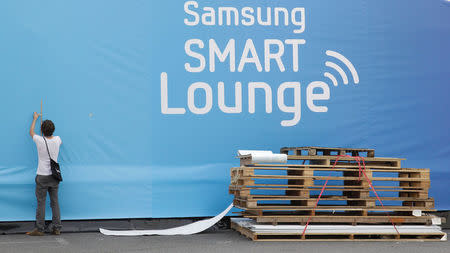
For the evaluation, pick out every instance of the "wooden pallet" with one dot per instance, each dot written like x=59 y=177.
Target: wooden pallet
x=270 y=207
x=312 y=151
x=347 y=190
x=330 y=160
x=343 y=219
x=318 y=167
x=304 y=175
x=405 y=173
x=302 y=190
x=348 y=166
x=413 y=198
x=296 y=201
x=300 y=183
x=339 y=212
x=342 y=236
x=310 y=180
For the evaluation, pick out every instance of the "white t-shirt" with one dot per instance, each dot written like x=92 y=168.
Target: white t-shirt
x=44 y=161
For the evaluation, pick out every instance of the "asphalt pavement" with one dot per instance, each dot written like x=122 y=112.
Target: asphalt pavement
x=219 y=240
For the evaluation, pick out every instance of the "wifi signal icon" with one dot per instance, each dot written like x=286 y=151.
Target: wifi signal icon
x=341 y=72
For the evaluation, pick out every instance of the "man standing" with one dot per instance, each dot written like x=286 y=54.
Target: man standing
x=45 y=182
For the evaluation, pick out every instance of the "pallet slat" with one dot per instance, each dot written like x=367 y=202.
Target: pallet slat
x=324 y=151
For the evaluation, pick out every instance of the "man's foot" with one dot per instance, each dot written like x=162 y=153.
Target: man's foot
x=35 y=232
x=56 y=232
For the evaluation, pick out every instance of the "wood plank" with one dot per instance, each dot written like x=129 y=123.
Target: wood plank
x=362 y=178
x=337 y=208
x=328 y=148
x=328 y=168
x=300 y=202
x=333 y=158
x=330 y=198
x=332 y=188
x=341 y=219
x=329 y=187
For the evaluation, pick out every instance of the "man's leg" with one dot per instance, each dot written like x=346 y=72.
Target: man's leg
x=41 y=195
x=56 y=215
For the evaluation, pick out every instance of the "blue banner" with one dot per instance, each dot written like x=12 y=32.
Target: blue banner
x=152 y=99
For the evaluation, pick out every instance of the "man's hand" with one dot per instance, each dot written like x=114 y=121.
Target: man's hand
x=36 y=115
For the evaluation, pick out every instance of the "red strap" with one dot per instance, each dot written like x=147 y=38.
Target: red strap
x=361 y=169
x=373 y=189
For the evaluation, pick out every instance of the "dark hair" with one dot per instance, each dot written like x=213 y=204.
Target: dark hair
x=47 y=128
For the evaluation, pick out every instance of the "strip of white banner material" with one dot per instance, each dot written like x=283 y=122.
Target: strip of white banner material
x=189 y=229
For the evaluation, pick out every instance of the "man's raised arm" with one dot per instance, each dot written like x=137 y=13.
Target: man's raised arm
x=35 y=117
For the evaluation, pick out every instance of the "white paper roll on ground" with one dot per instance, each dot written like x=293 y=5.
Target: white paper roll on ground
x=264 y=156
x=189 y=229
x=269 y=158
x=254 y=152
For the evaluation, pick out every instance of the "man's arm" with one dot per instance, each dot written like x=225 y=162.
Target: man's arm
x=35 y=117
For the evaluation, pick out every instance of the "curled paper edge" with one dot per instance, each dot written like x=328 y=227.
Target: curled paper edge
x=189 y=229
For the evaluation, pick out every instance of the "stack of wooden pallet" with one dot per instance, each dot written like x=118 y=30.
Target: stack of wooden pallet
x=286 y=194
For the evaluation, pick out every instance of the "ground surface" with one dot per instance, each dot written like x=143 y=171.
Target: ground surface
x=213 y=241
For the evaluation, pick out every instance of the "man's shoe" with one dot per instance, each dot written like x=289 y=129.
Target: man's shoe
x=56 y=232
x=35 y=232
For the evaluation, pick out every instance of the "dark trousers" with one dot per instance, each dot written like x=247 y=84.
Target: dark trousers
x=46 y=184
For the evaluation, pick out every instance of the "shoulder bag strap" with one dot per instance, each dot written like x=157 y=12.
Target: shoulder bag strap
x=47 y=147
